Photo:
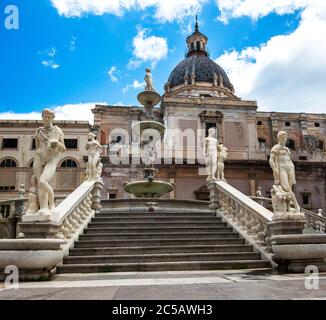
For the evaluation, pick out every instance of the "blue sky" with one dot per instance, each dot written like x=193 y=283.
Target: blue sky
x=62 y=54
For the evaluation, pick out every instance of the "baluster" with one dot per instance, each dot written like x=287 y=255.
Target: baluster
x=261 y=232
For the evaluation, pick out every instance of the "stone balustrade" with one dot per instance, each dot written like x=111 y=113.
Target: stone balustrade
x=244 y=214
x=74 y=213
x=314 y=221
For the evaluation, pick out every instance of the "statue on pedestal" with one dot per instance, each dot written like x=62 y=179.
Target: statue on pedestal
x=149 y=153
x=284 y=202
x=49 y=142
x=210 y=152
x=221 y=157
x=149 y=81
x=93 y=166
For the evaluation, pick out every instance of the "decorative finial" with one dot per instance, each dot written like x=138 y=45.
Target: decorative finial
x=196 y=26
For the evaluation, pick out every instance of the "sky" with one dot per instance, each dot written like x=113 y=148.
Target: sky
x=68 y=55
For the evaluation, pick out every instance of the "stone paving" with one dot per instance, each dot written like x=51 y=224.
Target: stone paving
x=201 y=285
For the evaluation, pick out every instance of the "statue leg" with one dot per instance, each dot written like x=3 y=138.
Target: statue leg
x=284 y=179
x=44 y=186
x=95 y=161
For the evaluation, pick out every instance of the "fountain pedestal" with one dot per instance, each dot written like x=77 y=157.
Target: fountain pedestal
x=148 y=132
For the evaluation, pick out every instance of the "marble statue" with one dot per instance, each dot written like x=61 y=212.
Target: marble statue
x=320 y=212
x=149 y=81
x=149 y=153
x=21 y=191
x=210 y=152
x=283 y=198
x=33 y=205
x=49 y=142
x=259 y=192
x=221 y=157
x=94 y=165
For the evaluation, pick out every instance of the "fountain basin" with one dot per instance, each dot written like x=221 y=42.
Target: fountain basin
x=148 y=189
x=140 y=127
x=149 y=98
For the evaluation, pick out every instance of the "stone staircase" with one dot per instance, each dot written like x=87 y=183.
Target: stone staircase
x=159 y=241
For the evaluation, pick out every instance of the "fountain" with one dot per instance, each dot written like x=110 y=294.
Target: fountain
x=148 y=132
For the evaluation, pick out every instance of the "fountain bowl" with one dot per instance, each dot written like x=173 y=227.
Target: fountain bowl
x=149 y=99
x=140 y=127
x=148 y=189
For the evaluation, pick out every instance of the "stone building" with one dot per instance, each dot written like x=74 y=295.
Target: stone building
x=17 y=147
x=199 y=95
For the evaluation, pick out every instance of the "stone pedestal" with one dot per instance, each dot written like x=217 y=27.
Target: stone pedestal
x=39 y=230
x=97 y=195
x=285 y=227
x=35 y=259
x=214 y=203
x=293 y=253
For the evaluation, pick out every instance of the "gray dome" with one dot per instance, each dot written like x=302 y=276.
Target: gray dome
x=204 y=69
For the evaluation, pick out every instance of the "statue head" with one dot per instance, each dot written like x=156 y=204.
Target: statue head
x=91 y=136
x=47 y=116
x=148 y=70
x=282 y=137
x=211 y=132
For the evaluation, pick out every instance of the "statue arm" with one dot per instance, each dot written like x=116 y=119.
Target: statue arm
x=37 y=142
x=61 y=143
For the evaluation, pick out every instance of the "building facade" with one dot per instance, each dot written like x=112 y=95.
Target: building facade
x=17 y=147
x=197 y=96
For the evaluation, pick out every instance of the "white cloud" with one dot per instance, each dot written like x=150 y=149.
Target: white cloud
x=135 y=85
x=80 y=111
x=72 y=44
x=51 y=64
x=112 y=74
x=288 y=73
x=165 y=10
x=148 y=48
x=48 y=56
x=256 y=8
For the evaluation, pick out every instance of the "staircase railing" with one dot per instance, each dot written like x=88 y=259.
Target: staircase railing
x=75 y=212
x=245 y=215
x=313 y=220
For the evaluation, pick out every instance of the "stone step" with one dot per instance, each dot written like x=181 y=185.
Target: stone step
x=94 y=225
x=164 y=266
x=170 y=257
x=171 y=235
x=158 y=249
x=158 y=242
x=151 y=219
x=158 y=229
x=156 y=214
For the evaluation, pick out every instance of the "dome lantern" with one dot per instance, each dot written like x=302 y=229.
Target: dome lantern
x=197 y=42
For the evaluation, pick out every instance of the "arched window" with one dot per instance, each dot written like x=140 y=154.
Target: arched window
x=68 y=175
x=8 y=174
x=290 y=144
x=69 y=163
x=8 y=163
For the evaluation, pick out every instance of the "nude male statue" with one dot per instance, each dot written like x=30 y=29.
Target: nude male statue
x=49 y=142
x=283 y=167
x=210 y=152
x=149 y=81
x=93 y=147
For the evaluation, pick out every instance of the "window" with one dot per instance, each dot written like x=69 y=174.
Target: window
x=317 y=124
x=69 y=163
x=192 y=46
x=288 y=124
x=9 y=143
x=261 y=140
x=198 y=45
x=5 y=211
x=112 y=196
x=306 y=199
x=208 y=126
x=259 y=123
x=71 y=143
x=8 y=163
x=33 y=144
x=290 y=144
x=8 y=175
x=303 y=158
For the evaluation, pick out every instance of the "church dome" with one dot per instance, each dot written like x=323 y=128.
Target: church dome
x=197 y=67
x=203 y=68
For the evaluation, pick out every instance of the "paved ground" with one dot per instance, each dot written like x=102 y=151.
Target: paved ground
x=211 y=285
